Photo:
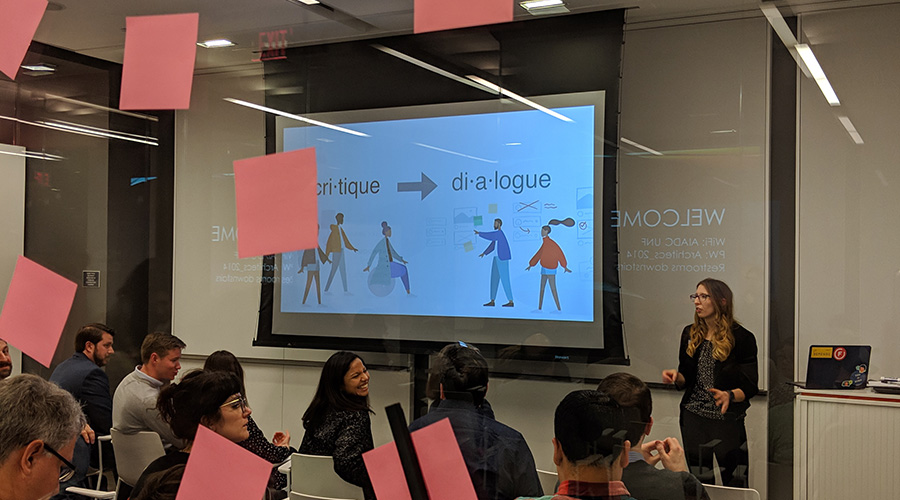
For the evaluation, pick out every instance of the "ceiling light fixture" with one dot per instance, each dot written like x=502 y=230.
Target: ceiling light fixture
x=641 y=146
x=817 y=73
x=540 y=7
x=43 y=67
x=429 y=67
x=305 y=2
x=780 y=27
x=848 y=125
x=216 y=43
x=517 y=97
x=84 y=130
x=295 y=117
x=34 y=155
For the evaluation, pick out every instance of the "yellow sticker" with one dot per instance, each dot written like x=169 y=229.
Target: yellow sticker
x=821 y=352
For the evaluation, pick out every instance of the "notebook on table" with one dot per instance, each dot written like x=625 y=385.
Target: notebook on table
x=837 y=367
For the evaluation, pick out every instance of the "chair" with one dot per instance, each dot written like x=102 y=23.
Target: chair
x=549 y=480
x=96 y=493
x=730 y=493
x=134 y=452
x=313 y=477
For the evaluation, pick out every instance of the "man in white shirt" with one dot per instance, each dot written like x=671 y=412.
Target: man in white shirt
x=134 y=403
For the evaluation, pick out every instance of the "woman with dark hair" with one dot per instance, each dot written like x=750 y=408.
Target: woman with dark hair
x=279 y=449
x=717 y=367
x=337 y=421
x=211 y=399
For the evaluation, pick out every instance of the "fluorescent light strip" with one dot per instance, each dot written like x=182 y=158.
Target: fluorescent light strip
x=104 y=130
x=79 y=130
x=295 y=117
x=216 y=44
x=429 y=67
x=101 y=108
x=454 y=153
x=848 y=125
x=640 y=146
x=34 y=155
x=784 y=33
x=818 y=74
x=540 y=4
x=39 y=67
x=517 y=97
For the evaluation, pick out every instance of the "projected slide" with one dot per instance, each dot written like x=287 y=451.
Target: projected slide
x=484 y=215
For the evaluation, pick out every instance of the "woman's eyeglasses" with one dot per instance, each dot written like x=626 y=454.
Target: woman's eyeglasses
x=66 y=472
x=701 y=296
x=239 y=402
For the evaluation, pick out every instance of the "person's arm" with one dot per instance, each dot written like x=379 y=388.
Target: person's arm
x=372 y=257
x=98 y=407
x=534 y=260
x=489 y=249
x=352 y=441
x=526 y=482
x=748 y=364
x=259 y=445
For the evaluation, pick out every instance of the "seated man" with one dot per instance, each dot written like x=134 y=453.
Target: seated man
x=5 y=360
x=84 y=378
x=38 y=429
x=642 y=478
x=497 y=457
x=590 y=449
x=134 y=403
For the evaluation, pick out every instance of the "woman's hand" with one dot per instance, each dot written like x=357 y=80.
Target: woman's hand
x=672 y=377
x=723 y=399
x=282 y=439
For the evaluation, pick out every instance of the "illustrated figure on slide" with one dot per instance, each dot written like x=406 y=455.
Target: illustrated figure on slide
x=310 y=262
x=334 y=247
x=500 y=264
x=550 y=256
x=390 y=265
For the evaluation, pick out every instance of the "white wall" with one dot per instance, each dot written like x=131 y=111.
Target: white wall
x=12 y=224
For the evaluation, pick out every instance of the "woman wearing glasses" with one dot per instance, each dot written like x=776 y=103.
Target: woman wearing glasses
x=276 y=451
x=337 y=421
x=717 y=368
x=210 y=398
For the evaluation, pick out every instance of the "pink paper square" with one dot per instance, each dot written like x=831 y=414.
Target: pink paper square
x=275 y=198
x=443 y=467
x=36 y=308
x=218 y=468
x=437 y=15
x=158 y=69
x=19 y=19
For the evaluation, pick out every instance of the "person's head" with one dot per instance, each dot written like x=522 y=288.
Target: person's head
x=498 y=223
x=713 y=306
x=631 y=392
x=589 y=429
x=5 y=360
x=210 y=398
x=385 y=229
x=95 y=340
x=161 y=355
x=39 y=421
x=224 y=361
x=461 y=372
x=162 y=485
x=339 y=218
x=545 y=231
x=343 y=385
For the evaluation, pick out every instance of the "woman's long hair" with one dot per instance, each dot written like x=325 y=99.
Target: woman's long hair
x=723 y=302
x=330 y=394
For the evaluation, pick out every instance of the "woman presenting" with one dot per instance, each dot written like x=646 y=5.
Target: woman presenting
x=717 y=367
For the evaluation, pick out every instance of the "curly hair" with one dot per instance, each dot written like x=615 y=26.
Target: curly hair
x=723 y=303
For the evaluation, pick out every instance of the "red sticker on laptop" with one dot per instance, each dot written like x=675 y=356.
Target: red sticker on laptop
x=840 y=353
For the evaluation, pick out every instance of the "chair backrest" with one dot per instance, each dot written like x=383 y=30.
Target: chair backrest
x=134 y=452
x=548 y=481
x=729 y=493
x=313 y=476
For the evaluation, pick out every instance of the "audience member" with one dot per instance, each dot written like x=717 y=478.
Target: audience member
x=134 y=403
x=38 y=430
x=279 y=449
x=590 y=449
x=5 y=360
x=641 y=477
x=497 y=457
x=210 y=398
x=337 y=421
x=82 y=376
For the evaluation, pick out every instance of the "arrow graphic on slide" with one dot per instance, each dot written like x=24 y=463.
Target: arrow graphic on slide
x=425 y=186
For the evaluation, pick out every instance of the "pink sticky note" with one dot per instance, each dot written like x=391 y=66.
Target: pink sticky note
x=36 y=308
x=436 y=15
x=275 y=197
x=443 y=467
x=218 y=468
x=159 y=61
x=19 y=20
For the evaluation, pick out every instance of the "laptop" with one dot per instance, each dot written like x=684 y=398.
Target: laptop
x=837 y=367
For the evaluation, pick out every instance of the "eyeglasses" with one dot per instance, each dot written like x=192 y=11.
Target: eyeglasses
x=65 y=473
x=239 y=402
x=701 y=296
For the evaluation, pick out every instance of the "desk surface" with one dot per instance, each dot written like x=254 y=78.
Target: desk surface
x=847 y=395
